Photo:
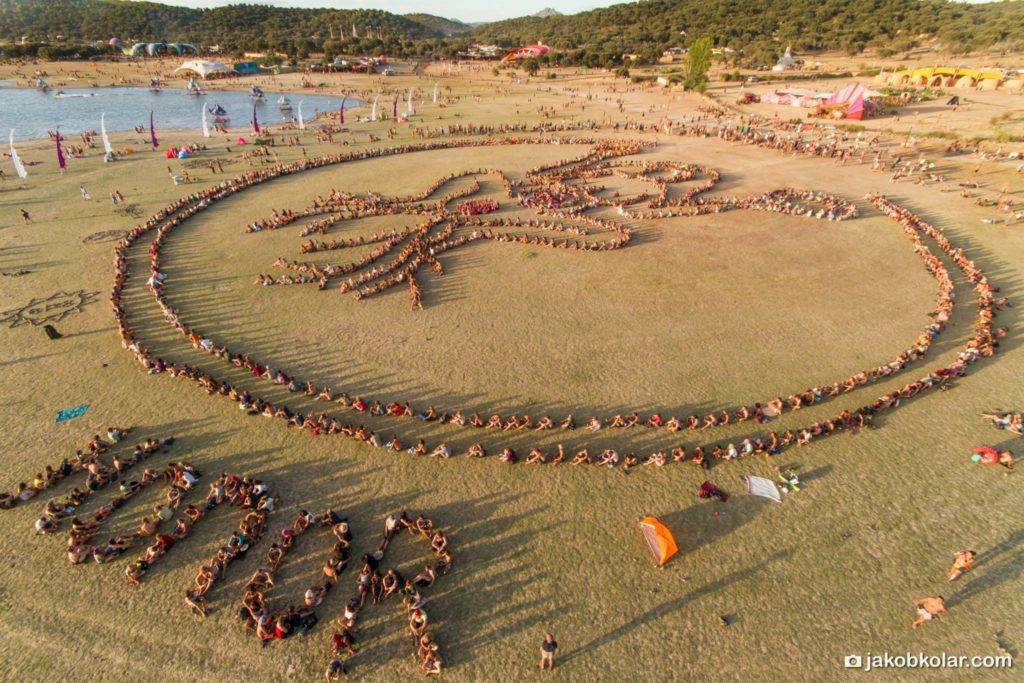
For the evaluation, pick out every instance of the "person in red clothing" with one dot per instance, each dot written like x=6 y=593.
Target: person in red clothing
x=343 y=642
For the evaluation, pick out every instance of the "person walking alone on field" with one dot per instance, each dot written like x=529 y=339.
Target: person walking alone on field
x=547 y=652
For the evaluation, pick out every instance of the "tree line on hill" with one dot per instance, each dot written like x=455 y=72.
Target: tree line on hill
x=756 y=31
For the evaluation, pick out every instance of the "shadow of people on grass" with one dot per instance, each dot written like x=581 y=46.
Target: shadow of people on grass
x=1000 y=564
x=670 y=606
x=705 y=522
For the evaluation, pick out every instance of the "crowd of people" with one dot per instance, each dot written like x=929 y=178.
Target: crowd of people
x=254 y=498
x=179 y=477
x=477 y=207
x=255 y=613
x=422 y=250
x=378 y=585
x=87 y=459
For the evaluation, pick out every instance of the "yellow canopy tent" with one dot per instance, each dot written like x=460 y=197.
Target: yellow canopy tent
x=659 y=539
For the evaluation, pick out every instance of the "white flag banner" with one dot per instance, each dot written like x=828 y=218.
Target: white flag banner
x=107 y=149
x=435 y=93
x=16 y=160
x=302 y=122
x=373 y=112
x=206 y=127
x=408 y=103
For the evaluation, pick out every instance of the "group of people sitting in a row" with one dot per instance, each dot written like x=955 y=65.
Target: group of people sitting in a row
x=255 y=613
x=179 y=477
x=85 y=460
x=371 y=582
x=983 y=343
x=476 y=207
x=254 y=497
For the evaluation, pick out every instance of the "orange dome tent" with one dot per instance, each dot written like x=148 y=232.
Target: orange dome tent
x=659 y=539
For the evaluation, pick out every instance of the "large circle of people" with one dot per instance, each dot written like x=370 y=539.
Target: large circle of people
x=422 y=250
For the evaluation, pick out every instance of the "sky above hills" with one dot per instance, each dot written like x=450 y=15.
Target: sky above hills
x=463 y=10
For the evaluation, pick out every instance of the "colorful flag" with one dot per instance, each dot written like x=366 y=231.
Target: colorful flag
x=16 y=160
x=255 y=121
x=60 y=153
x=341 y=112
x=152 y=131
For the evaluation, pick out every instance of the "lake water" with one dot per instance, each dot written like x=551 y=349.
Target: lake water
x=32 y=113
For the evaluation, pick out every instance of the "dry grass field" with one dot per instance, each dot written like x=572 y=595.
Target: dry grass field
x=697 y=313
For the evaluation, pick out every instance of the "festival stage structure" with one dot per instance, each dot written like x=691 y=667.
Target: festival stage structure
x=953 y=77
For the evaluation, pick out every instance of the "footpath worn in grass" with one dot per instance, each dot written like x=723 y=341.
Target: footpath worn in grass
x=697 y=313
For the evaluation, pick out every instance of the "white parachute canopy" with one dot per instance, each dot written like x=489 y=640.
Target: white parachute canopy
x=302 y=122
x=16 y=160
x=766 y=488
x=204 y=68
x=206 y=127
x=107 y=149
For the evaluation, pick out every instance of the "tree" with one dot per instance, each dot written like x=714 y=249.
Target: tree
x=531 y=66
x=698 y=61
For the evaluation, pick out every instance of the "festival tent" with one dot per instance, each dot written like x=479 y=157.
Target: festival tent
x=526 y=52
x=659 y=539
x=247 y=68
x=786 y=62
x=796 y=97
x=946 y=76
x=203 y=68
x=851 y=100
x=151 y=49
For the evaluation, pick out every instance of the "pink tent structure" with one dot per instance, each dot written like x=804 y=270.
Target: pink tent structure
x=853 y=97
